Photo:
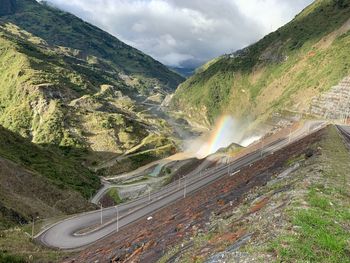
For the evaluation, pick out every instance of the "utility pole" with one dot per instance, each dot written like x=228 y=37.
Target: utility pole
x=149 y=194
x=290 y=135
x=101 y=214
x=33 y=226
x=117 y=218
x=33 y=229
x=185 y=187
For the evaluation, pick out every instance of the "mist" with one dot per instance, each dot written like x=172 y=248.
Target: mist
x=227 y=130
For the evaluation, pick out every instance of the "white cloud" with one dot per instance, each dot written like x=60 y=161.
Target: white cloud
x=185 y=32
x=271 y=14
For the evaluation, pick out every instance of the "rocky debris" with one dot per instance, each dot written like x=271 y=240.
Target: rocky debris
x=239 y=53
x=167 y=100
x=334 y=104
x=132 y=192
x=12 y=215
x=7 y=7
x=147 y=241
x=273 y=53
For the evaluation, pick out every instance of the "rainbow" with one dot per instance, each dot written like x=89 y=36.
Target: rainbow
x=223 y=125
x=218 y=136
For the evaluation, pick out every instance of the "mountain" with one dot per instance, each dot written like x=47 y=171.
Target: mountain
x=71 y=96
x=286 y=72
x=185 y=72
x=67 y=83
x=58 y=28
x=7 y=7
x=41 y=181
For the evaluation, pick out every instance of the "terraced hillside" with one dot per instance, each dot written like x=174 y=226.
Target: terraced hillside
x=284 y=71
x=68 y=83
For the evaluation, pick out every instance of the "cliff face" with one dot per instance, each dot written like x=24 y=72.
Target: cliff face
x=7 y=7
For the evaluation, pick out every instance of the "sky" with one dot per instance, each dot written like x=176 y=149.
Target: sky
x=186 y=33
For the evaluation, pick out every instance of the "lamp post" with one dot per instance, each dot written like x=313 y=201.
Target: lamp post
x=101 y=213
x=33 y=226
x=149 y=194
x=185 y=187
x=117 y=217
x=290 y=135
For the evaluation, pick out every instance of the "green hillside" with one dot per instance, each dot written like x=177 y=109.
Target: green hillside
x=58 y=28
x=68 y=83
x=41 y=180
x=283 y=71
x=71 y=97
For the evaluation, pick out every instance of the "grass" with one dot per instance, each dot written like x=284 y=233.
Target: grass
x=278 y=72
x=306 y=220
x=140 y=180
x=62 y=166
x=322 y=233
x=295 y=159
x=16 y=246
x=113 y=193
x=59 y=28
x=320 y=236
x=41 y=83
x=5 y=258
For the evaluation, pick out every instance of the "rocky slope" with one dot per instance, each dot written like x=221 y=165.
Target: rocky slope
x=290 y=206
x=283 y=72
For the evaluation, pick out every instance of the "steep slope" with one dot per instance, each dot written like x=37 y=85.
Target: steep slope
x=7 y=7
x=282 y=72
x=300 y=215
x=41 y=181
x=71 y=95
x=68 y=83
x=59 y=28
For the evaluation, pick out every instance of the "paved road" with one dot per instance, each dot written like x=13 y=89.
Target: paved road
x=345 y=132
x=85 y=229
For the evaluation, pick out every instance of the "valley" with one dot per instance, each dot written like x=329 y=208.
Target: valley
x=107 y=155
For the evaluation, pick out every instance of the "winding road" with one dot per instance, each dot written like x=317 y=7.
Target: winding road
x=85 y=229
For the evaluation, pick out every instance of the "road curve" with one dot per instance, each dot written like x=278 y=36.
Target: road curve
x=85 y=229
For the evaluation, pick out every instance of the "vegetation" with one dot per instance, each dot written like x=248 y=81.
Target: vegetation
x=302 y=216
x=17 y=247
x=65 y=104
x=4 y=258
x=282 y=71
x=321 y=229
x=58 y=28
x=41 y=181
x=62 y=166
x=58 y=89
x=113 y=193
